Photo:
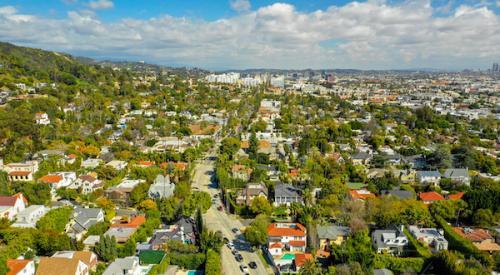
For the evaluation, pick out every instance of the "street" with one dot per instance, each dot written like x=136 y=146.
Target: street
x=216 y=220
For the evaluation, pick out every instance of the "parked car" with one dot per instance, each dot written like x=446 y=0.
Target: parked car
x=226 y=240
x=244 y=269
x=220 y=208
x=235 y=230
x=238 y=257
x=252 y=265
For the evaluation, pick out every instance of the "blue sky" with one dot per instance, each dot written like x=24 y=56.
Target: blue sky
x=225 y=34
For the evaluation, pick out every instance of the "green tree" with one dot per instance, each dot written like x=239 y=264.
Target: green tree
x=256 y=233
x=106 y=248
x=213 y=263
x=55 y=219
x=260 y=205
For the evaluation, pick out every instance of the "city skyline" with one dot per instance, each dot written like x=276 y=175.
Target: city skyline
x=241 y=34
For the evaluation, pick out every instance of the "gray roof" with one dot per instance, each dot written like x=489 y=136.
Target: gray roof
x=361 y=155
x=120 y=232
x=85 y=218
x=428 y=174
x=331 y=231
x=161 y=188
x=286 y=190
x=119 y=265
x=456 y=173
x=401 y=194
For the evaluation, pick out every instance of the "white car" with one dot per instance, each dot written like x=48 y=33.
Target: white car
x=244 y=269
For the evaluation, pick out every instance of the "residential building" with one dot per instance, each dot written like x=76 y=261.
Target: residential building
x=61 y=266
x=126 y=266
x=428 y=177
x=11 y=206
x=361 y=158
x=21 y=267
x=184 y=230
x=82 y=220
x=456 y=175
x=42 y=119
x=361 y=195
x=121 y=192
x=430 y=197
x=161 y=188
x=118 y=164
x=250 y=192
x=398 y=193
x=241 y=172
x=91 y=163
x=28 y=217
x=86 y=184
x=285 y=241
x=285 y=194
x=87 y=257
x=329 y=234
x=430 y=236
x=481 y=238
x=21 y=171
x=391 y=241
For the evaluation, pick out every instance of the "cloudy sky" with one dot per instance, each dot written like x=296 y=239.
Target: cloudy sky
x=236 y=34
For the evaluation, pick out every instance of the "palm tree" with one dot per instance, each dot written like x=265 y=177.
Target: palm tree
x=310 y=268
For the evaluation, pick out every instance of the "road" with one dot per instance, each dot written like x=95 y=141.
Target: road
x=216 y=220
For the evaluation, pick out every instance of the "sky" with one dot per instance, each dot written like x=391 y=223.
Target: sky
x=240 y=34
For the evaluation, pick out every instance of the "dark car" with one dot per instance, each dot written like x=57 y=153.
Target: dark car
x=226 y=240
x=238 y=257
x=235 y=230
x=219 y=208
x=252 y=265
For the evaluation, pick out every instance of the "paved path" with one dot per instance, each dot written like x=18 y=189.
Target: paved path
x=216 y=220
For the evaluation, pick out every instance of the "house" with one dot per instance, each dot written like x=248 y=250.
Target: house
x=405 y=176
x=431 y=236
x=361 y=195
x=126 y=266
x=64 y=266
x=456 y=196
x=285 y=194
x=481 y=238
x=90 y=242
x=285 y=241
x=42 y=118
x=82 y=220
x=398 y=193
x=11 y=206
x=28 y=217
x=391 y=241
x=428 y=177
x=21 y=171
x=87 y=257
x=241 y=172
x=301 y=259
x=250 y=192
x=86 y=184
x=161 y=188
x=118 y=164
x=58 y=180
x=121 y=234
x=91 y=163
x=430 y=197
x=361 y=158
x=460 y=176
x=184 y=230
x=270 y=170
x=331 y=234
x=121 y=192
x=21 y=267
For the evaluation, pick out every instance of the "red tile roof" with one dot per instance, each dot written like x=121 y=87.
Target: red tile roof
x=11 y=200
x=51 y=179
x=456 y=196
x=431 y=196
x=361 y=194
x=72 y=156
x=134 y=223
x=302 y=258
x=297 y=243
x=276 y=245
x=19 y=173
x=291 y=229
x=473 y=235
x=16 y=265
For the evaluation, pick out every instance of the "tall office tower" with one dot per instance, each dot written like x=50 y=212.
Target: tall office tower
x=495 y=68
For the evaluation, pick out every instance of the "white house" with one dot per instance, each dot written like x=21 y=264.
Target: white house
x=21 y=267
x=129 y=266
x=21 y=171
x=29 y=216
x=431 y=236
x=86 y=183
x=42 y=119
x=118 y=164
x=161 y=188
x=91 y=163
x=10 y=206
x=428 y=177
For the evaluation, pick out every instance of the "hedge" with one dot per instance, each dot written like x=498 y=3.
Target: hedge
x=213 y=263
x=457 y=242
x=188 y=261
x=399 y=264
x=423 y=251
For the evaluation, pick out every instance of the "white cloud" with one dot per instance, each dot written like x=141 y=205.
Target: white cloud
x=240 y=5
x=372 y=34
x=101 y=4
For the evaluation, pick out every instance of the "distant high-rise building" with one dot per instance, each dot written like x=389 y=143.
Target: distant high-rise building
x=495 y=68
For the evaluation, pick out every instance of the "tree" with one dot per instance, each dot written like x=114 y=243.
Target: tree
x=108 y=206
x=168 y=208
x=230 y=146
x=253 y=147
x=147 y=205
x=260 y=205
x=440 y=158
x=483 y=218
x=256 y=233
x=139 y=193
x=211 y=241
x=356 y=249
x=106 y=248
x=311 y=268
x=213 y=263
x=55 y=219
